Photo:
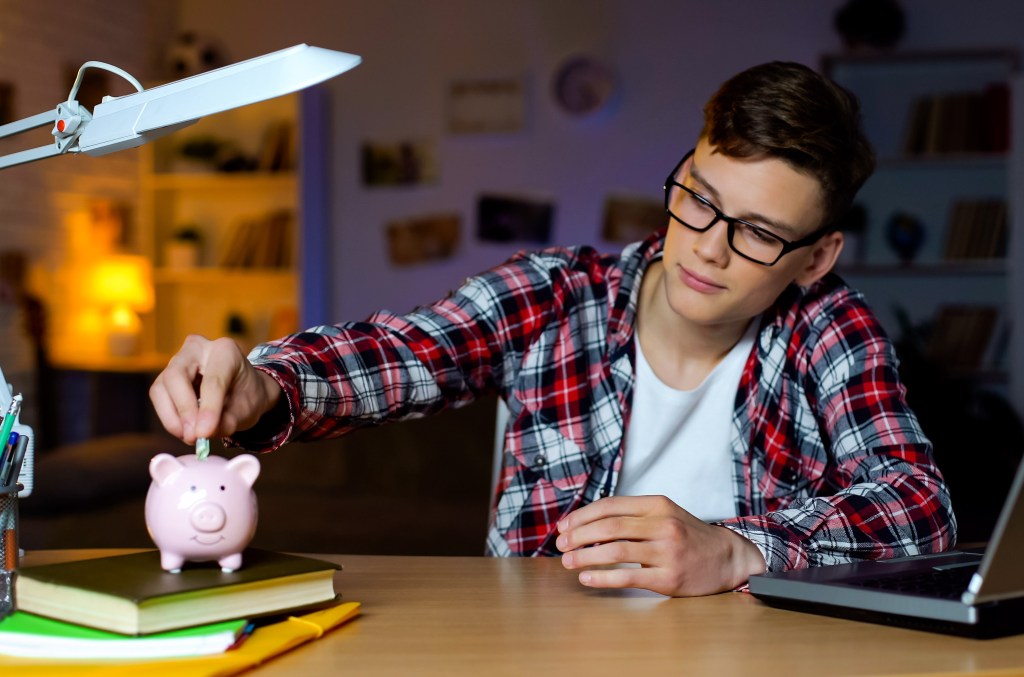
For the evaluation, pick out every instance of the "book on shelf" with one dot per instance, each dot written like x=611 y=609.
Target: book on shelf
x=277 y=150
x=30 y=636
x=263 y=242
x=131 y=594
x=977 y=229
x=961 y=336
x=960 y=122
x=996 y=356
x=996 y=128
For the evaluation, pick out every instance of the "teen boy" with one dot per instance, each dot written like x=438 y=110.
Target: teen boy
x=708 y=404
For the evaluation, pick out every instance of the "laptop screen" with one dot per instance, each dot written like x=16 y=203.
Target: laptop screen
x=1001 y=574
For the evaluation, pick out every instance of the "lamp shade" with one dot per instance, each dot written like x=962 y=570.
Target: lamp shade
x=121 y=280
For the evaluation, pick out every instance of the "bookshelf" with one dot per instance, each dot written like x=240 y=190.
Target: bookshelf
x=940 y=123
x=220 y=220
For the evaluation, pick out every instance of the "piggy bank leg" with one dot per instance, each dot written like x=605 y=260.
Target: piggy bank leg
x=230 y=563
x=171 y=563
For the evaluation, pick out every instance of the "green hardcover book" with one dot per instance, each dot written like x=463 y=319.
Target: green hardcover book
x=131 y=594
x=29 y=636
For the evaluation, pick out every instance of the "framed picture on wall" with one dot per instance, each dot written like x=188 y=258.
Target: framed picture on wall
x=486 y=106
x=399 y=163
x=628 y=219
x=514 y=219
x=423 y=238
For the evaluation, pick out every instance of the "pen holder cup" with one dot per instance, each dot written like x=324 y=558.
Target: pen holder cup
x=8 y=546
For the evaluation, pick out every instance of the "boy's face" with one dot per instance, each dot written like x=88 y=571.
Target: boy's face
x=707 y=282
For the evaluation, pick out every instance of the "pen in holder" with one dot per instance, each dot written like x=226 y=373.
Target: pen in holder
x=8 y=546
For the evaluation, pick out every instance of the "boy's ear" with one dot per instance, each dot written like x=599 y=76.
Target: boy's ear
x=824 y=254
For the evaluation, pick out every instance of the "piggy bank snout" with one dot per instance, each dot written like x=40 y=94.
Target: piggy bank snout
x=207 y=517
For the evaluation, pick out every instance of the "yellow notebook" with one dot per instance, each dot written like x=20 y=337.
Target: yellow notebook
x=264 y=644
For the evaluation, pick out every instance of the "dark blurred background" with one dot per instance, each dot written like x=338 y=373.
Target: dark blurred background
x=471 y=130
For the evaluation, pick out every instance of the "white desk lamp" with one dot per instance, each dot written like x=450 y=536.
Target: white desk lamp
x=134 y=119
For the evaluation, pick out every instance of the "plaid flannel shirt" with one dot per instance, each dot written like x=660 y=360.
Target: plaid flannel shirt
x=830 y=465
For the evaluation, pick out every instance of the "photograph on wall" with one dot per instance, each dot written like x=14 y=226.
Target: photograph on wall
x=513 y=219
x=486 y=106
x=628 y=219
x=399 y=163
x=6 y=102
x=423 y=238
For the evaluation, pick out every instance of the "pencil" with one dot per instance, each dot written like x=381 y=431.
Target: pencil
x=10 y=550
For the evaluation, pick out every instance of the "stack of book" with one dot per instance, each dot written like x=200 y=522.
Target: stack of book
x=961 y=337
x=30 y=636
x=277 y=151
x=960 y=123
x=126 y=606
x=977 y=230
x=260 y=243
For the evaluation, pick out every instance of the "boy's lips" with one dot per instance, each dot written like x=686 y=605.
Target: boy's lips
x=699 y=282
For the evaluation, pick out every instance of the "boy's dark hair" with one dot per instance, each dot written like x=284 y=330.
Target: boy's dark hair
x=788 y=111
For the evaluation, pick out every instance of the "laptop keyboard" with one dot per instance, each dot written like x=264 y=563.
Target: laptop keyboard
x=942 y=583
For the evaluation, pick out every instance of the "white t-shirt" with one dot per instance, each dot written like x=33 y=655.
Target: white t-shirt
x=678 y=441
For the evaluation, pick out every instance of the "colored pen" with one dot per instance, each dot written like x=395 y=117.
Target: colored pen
x=247 y=631
x=19 y=457
x=12 y=439
x=7 y=458
x=10 y=417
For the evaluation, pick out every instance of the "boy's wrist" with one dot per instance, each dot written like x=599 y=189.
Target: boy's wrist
x=274 y=418
x=272 y=392
x=746 y=559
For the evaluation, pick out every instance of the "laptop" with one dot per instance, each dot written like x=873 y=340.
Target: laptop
x=972 y=594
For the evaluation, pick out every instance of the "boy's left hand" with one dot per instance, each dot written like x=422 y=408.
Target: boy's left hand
x=679 y=555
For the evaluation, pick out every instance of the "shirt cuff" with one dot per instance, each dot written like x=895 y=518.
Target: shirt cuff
x=274 y=428
x=780 y=551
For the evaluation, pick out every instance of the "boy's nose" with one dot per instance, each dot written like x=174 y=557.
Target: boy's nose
x=713 y=243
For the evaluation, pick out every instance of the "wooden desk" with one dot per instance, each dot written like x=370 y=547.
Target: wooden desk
x=483 y=616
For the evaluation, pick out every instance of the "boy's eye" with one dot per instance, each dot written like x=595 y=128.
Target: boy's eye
x=701 y=204
x=761 y=235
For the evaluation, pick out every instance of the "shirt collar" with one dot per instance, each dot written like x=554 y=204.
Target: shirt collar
x=635 y=260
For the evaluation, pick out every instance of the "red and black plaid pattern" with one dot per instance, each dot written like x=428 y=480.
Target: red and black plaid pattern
x=830 y=464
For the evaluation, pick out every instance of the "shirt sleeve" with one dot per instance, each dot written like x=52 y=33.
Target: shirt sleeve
x=887 y=497
x=341 y=377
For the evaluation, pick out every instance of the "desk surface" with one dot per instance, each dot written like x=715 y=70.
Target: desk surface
x=459 y=615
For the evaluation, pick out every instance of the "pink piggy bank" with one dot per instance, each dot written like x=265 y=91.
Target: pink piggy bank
x=201 y=510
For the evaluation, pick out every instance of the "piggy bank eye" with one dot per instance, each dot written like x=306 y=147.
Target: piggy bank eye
x=192 y=488
x=222 y=487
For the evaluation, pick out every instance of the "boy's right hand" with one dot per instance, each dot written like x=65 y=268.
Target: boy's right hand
x=209 y=389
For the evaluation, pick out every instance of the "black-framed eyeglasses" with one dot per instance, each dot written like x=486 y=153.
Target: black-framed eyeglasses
x=749 y=240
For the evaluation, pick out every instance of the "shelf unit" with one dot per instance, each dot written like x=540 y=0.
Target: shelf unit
x=231 y=210
x=979 y=268
x=900 y=95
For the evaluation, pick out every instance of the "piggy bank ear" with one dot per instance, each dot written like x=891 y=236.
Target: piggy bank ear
x=164 y=466
x=247 y=467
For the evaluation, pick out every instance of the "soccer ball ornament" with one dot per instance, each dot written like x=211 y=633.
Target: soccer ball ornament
x=191 y=53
